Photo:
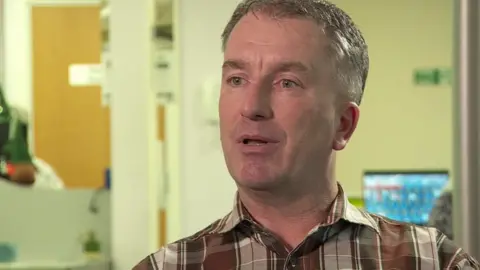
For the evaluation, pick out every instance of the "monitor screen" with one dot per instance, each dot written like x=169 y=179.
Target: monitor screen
x=403 y=196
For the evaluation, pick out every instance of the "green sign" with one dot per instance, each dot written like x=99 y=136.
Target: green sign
x=433 y=76
x=356 y=201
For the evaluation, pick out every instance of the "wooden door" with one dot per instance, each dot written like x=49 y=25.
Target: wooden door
x=71 y=128
x=162 y=213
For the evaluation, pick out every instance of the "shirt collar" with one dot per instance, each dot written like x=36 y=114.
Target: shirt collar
x=341 y=209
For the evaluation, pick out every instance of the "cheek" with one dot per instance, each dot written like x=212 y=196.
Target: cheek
x=294 y=113
x=296 y=121
x=307 y=122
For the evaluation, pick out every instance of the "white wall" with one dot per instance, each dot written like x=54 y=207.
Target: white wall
x=206 y=187
x=133 y=134
x=402 y=126
x=17 y=45
x=2 y=56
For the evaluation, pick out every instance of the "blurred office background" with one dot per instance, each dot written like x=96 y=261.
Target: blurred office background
x=121 y=101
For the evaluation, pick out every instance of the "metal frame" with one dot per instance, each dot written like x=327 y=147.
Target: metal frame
x=407 y=171
x=466 y=201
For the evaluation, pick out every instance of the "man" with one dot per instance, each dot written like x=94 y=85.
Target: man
x=293 y=76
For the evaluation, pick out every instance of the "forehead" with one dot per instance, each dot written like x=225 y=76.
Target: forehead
x=259 y=37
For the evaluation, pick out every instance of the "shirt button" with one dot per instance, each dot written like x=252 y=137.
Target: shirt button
x=293 y=262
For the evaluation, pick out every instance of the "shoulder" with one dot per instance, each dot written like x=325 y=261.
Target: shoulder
x=174 y=254
x=453 y=257
x=429 y=243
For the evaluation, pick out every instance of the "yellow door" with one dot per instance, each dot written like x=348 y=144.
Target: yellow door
x=71 y=128
x=162 y=213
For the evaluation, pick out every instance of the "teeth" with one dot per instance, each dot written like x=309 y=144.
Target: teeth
x=254 y=142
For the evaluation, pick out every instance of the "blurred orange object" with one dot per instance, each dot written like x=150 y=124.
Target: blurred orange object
x=23 y=174
x=10 y=168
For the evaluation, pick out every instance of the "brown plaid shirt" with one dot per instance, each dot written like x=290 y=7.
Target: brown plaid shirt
x=349 y=239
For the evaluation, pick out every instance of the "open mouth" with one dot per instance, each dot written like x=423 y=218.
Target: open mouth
x=253 y=142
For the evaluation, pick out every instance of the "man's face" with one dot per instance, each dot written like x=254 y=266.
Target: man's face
x=281 y=114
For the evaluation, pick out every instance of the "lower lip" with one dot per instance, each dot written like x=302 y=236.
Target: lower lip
x=266 y=148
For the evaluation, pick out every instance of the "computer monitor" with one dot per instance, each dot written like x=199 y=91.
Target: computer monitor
x=407 y=196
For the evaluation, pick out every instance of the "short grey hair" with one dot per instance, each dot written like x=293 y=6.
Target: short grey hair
x=347 y=44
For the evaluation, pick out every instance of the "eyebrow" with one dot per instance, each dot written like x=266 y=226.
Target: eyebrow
x=281 y=67
x=234 y=64
x=292 y=66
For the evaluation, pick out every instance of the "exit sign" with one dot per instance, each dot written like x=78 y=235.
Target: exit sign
x=432 y=76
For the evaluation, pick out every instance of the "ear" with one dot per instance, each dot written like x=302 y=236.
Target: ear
x=347 y=123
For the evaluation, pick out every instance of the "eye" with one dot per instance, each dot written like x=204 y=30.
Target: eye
x=235 y=81
x=288 y=84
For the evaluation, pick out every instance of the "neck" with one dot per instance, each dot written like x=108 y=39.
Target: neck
x=291 y=214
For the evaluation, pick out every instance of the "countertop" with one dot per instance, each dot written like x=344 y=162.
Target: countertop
x=57 y=265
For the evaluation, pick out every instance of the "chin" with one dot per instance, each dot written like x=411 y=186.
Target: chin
x=257 y=179
x=256 y=184
x=254 y=174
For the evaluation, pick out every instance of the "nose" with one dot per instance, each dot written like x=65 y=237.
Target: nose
x=257 y=104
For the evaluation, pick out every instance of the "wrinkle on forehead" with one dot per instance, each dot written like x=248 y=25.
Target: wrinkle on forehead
x=261 y=38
